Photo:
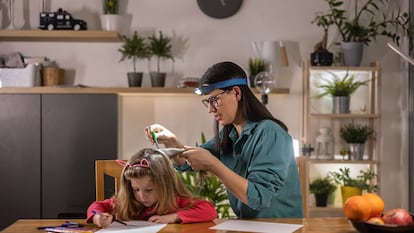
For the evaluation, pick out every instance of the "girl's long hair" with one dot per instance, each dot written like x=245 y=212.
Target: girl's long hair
x=166 y=182
x=252 y=109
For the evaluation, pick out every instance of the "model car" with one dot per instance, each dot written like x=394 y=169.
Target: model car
x=62 y=20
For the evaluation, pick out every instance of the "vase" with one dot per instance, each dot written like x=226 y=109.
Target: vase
x=356 y=151
x=157 y=79
x=349 y=191
x=321 y=199
x=340 y=104
x=111 y=22
x=321 y=58
x=352 y=53
x=134 y=79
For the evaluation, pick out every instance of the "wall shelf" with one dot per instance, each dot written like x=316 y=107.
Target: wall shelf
x=59 y=35
x=108 y=90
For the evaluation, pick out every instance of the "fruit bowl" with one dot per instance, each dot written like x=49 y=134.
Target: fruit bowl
x=366 y=227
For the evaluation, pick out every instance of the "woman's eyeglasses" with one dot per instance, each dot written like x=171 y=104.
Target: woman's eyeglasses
x=213 y=100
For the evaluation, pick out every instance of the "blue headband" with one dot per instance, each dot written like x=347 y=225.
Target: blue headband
x=207 y=88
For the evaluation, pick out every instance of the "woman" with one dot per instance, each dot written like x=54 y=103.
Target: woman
x=252 y=154
x=151 y=190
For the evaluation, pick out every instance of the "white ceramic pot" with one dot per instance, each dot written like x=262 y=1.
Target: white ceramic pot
x=111 y=22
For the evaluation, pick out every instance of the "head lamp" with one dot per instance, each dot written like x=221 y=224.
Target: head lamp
x=207 y=88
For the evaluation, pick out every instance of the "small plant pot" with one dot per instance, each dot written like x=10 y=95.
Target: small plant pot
x=111 y=22
x=321 y=58
x=340 y=104
x=157 y=79
x=356 y=151
x=349 y=191
x=321 y=199
x=134 y=79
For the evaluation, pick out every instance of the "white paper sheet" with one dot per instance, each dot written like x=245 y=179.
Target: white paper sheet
x=254 y=226
x=133 y=226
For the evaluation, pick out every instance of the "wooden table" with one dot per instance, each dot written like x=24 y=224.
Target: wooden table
x=310 y=225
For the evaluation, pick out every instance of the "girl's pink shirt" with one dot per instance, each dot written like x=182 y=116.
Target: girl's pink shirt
x=200 y=211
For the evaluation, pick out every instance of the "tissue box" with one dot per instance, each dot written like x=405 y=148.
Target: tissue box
x=20 y=77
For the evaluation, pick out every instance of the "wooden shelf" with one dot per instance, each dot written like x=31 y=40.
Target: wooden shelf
x=337 y=161
x=115 y=90
x=59 y=35
x=351 y=115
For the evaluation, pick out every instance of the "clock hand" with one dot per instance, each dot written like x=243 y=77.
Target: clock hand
x=223 y=3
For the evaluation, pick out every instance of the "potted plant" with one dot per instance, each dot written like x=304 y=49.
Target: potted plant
x=354 y=186
x=355 y=135
x=134 y=48
x=322 y=187
x=340 y=89
x=160 y=48
x=364 y=24
x=110 y=19
x=256 y=65
x=321 y=56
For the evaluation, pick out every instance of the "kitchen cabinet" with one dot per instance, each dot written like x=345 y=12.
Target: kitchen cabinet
x=365 y=108
x=48 y=145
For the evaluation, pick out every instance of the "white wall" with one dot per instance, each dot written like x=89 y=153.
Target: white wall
x=199 y=42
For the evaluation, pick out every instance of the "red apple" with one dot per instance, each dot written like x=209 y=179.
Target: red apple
x=398 y=216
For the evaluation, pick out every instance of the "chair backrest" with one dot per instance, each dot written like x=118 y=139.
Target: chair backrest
x=301 y=162
x=110 y=168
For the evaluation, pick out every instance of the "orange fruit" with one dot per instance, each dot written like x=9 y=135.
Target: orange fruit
x=376 y=203
x=357 y=208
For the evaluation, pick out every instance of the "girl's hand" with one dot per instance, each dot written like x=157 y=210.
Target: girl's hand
x=102 y=219
x=168 y=218
x=199 y=159
x=164 y=136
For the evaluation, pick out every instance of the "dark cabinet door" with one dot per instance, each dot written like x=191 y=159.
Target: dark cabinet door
x=77 y=129
x=20 y=157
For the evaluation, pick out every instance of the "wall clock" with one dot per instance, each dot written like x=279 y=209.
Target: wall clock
x=219 y=9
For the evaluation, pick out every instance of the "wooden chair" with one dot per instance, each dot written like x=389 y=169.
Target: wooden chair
x=110 y=168
x=301 y=162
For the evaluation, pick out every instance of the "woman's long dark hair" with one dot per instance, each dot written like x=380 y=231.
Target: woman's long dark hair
x=252 y=109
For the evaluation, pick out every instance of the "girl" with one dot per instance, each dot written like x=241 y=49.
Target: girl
x=252 y=155
x=151 y=190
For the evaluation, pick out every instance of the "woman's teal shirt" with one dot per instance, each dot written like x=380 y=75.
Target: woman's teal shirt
x=263 y=154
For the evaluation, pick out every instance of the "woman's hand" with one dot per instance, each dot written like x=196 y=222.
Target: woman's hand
x=102 y=219
x=199 y=158
x=168 y=218
x=163 y=135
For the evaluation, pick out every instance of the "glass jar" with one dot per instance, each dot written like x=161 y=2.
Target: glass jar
x=325 y=144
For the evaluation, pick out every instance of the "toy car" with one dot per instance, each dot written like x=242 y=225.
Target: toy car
x=60 y=20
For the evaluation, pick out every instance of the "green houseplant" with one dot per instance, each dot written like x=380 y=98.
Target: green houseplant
x=134 y=48
x=160 y=48
x=209 y=187
x=110 y=19
x=322 y=187
x=355 y=135
x=354 y=186
x=256 y=65
x=340 y=89
x=364 y=23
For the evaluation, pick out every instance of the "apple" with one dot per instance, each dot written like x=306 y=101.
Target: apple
x=398 y=216
x=376 y=220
